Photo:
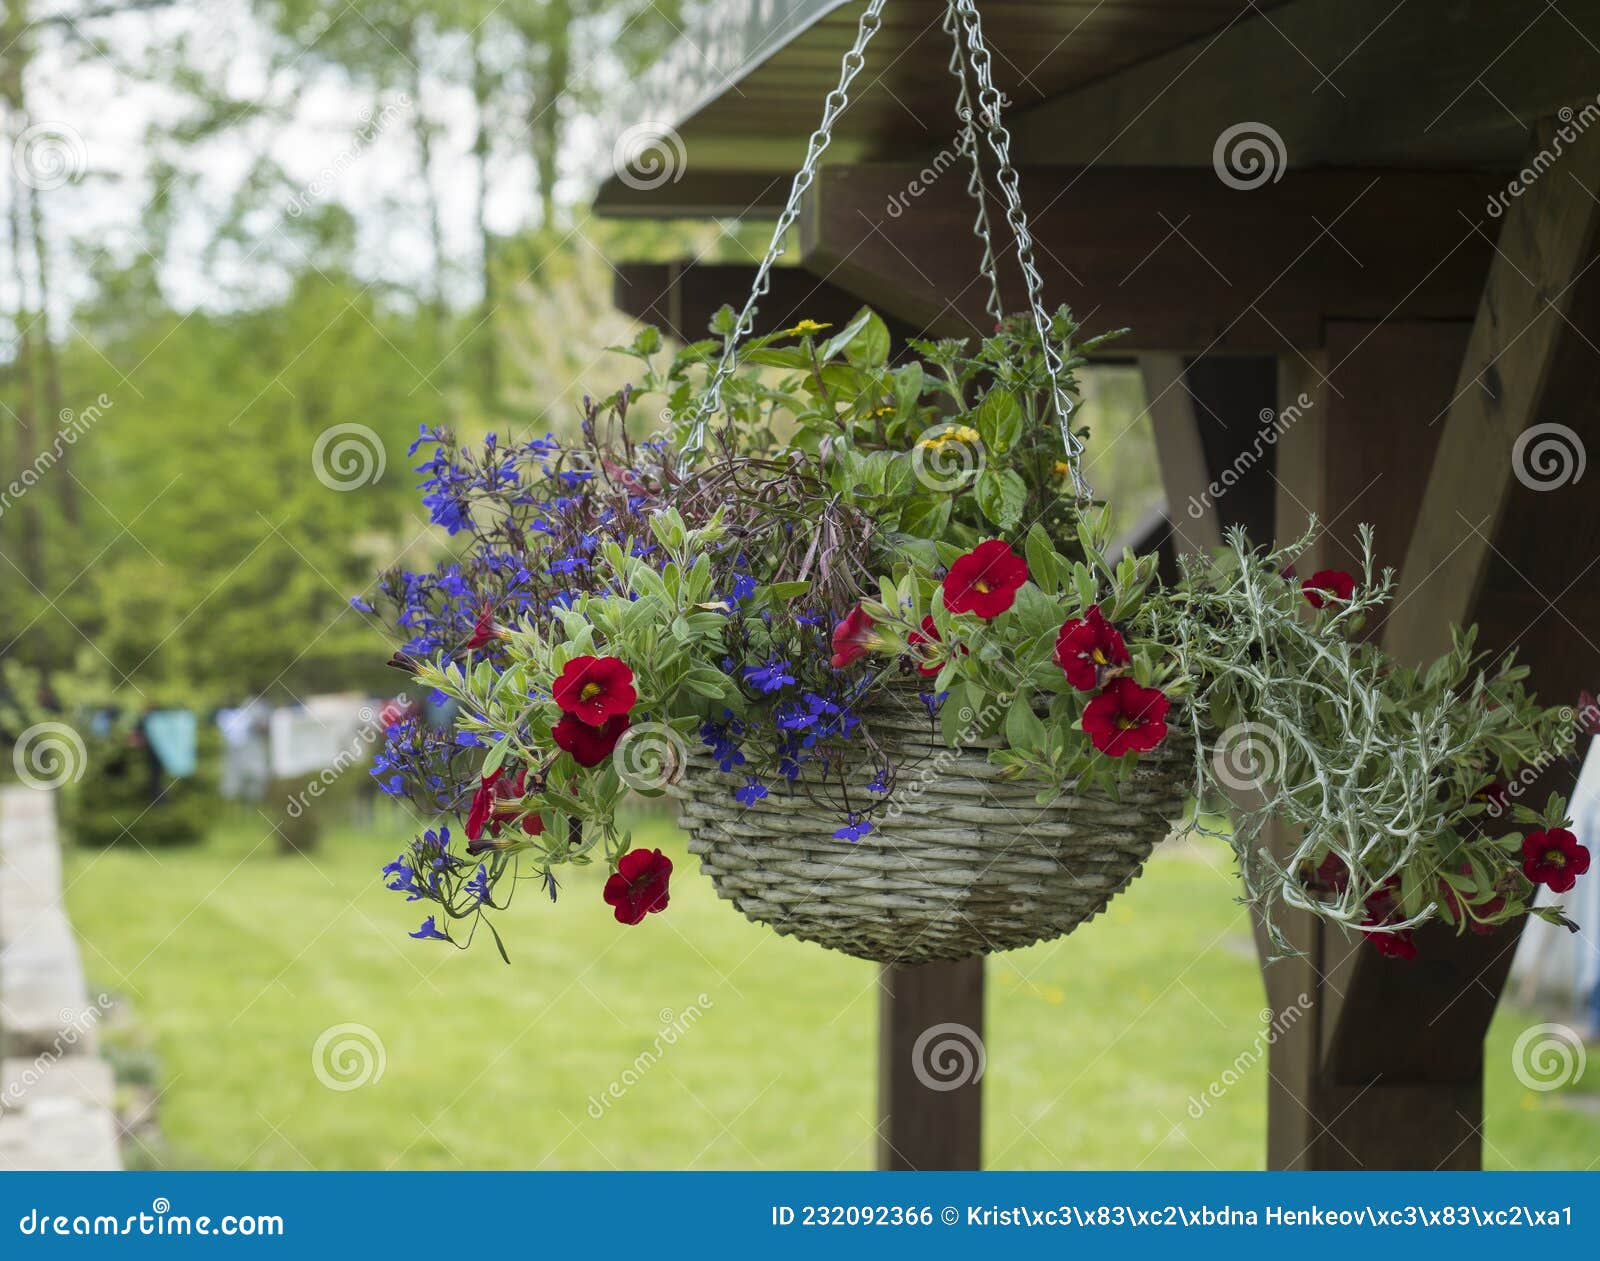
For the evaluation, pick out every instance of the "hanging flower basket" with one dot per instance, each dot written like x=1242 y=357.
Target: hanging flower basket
x=962 y=863
x=858 y=612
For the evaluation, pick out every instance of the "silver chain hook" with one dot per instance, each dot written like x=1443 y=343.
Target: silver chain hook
x=1006 y=176
x=837 y=100
x=975 y=188
x=965 y=14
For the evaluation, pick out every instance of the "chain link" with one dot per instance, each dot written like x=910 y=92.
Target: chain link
x=969 y=141
x=838 y=99
x=1006 y=176
x=961 y=21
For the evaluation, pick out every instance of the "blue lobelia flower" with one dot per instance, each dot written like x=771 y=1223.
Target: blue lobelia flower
x=429 y=932
x=753 y=791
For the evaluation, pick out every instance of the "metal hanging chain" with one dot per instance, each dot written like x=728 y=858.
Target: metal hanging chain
x=835 y=105
x=969 y=140
x=1006 y=176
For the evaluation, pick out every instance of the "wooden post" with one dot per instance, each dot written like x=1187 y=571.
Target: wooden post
x=930 y=1066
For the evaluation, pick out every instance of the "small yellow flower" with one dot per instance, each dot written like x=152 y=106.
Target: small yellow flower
x=1062 y=470
x=949 y=434
x=805 y=326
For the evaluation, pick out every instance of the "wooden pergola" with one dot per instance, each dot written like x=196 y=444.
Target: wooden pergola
x=1415 y=275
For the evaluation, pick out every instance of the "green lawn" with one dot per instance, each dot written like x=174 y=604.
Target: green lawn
x=236 y=959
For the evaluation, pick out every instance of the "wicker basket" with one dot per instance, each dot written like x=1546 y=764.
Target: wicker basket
x=959 y=863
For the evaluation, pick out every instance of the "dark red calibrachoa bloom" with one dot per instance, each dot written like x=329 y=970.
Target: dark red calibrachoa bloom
x=985 y=580
x=1400 y=945
x=851 y=638
x=484 y=630
x=1554 y=859
x=1380 y=911
x=1328 y=585
x=482 y=805
x=1331 y=875
x=1087 y=647
x=490 y=809
x=588 y=745
x=593 y=689
x=639 y=885
x=929 y=635
x=1126 y=718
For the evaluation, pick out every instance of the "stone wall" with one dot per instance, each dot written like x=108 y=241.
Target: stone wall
x=55 y=1090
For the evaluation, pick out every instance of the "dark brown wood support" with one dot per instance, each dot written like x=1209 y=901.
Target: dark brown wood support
x=930 y=1060
x=681 y=297
x=1185 y=261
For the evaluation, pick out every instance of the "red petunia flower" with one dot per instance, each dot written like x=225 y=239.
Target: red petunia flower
x=985 y=580
x=1126 y=718
x=1554 y=859
x=1400 y=945
x=482 y=804
x=1327 y=586
x=929 y=635
x=588 y=745
x=639 y=885
x=593 y=689
x=484 y=630
x=1087 y=646
x=1380 y=911
x=1331 y=875
x=490 y=808
x=851 y=638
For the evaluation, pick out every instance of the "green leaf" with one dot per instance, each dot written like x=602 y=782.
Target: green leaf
x=497 y=756
x=869 y=348
x=843 y=337
x=926 y=516
x=1001 y=495
x=1024 y=732
x=1000 y=421
x=778 y=357
x=1041 y=558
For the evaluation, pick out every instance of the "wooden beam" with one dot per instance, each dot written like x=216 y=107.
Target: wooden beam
x=1187 y=262
x=930 y=1060
x=681 y=297
x=1429 y=82
x=695 y=194
x=1543 y=260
